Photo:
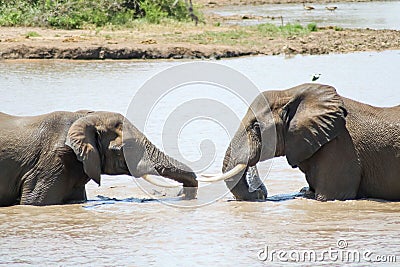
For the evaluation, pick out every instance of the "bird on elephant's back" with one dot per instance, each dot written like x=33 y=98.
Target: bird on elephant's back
x=346 y=149
x=48 y=159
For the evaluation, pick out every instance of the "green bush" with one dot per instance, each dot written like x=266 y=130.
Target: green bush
x=72 y=14
x=153 y=13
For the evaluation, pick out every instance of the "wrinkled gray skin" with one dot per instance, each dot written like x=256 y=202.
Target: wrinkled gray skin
x=346 y=149
x=48 y=159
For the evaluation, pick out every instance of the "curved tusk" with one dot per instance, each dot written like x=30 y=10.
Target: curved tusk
x=238 y=168
x=209 y=175
x=158 y=182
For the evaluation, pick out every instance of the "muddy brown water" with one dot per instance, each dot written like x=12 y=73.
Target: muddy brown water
x=374 y=15
x=121 y=225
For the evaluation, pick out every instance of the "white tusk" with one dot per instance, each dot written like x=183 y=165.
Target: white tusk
x=209 y=175
x=158 y=182
x=207 y=178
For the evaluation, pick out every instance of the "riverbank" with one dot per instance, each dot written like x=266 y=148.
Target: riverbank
x=185 y=41
x=212 y=39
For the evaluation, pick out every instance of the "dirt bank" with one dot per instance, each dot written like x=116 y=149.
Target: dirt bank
x=185 y=40
x=189 y=42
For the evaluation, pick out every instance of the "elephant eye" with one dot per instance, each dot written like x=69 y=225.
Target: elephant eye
x=118 y=125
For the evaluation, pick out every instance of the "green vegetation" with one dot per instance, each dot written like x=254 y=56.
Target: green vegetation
x=286 y=30
x=230 y=37
x=156 y=10
x=312 y=27
x=338 y=29
x=32 y=34
x=251 y=34
x=73 y=14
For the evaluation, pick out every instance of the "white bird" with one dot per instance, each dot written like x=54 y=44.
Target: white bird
x=331 y=8
x=308 y=7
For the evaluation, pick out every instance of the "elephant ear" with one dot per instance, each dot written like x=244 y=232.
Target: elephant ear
x=82 y=138
x=314 y=116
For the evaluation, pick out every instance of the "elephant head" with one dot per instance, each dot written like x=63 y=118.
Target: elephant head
x=107 y=143
x=294 y=123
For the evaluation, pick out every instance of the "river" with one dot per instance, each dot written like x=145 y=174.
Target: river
x=117 y=228
x=373 y=15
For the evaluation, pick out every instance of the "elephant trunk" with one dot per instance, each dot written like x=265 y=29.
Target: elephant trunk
x=246 y=185
x=169 y=167
x=144 y=159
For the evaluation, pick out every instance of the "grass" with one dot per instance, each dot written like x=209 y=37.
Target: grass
x=32 y=34
x=248 y=35
x=76 y=14
x=230 y=37
x=108 y=37
x=286 y=30
x=338 y=29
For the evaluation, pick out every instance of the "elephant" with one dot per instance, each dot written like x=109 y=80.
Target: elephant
x=346 y=149
x=48 y=159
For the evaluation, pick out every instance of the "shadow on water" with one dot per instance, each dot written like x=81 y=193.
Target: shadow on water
x=285 y=197
x=103 y=200
x=278 y=197
x=290 y=196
